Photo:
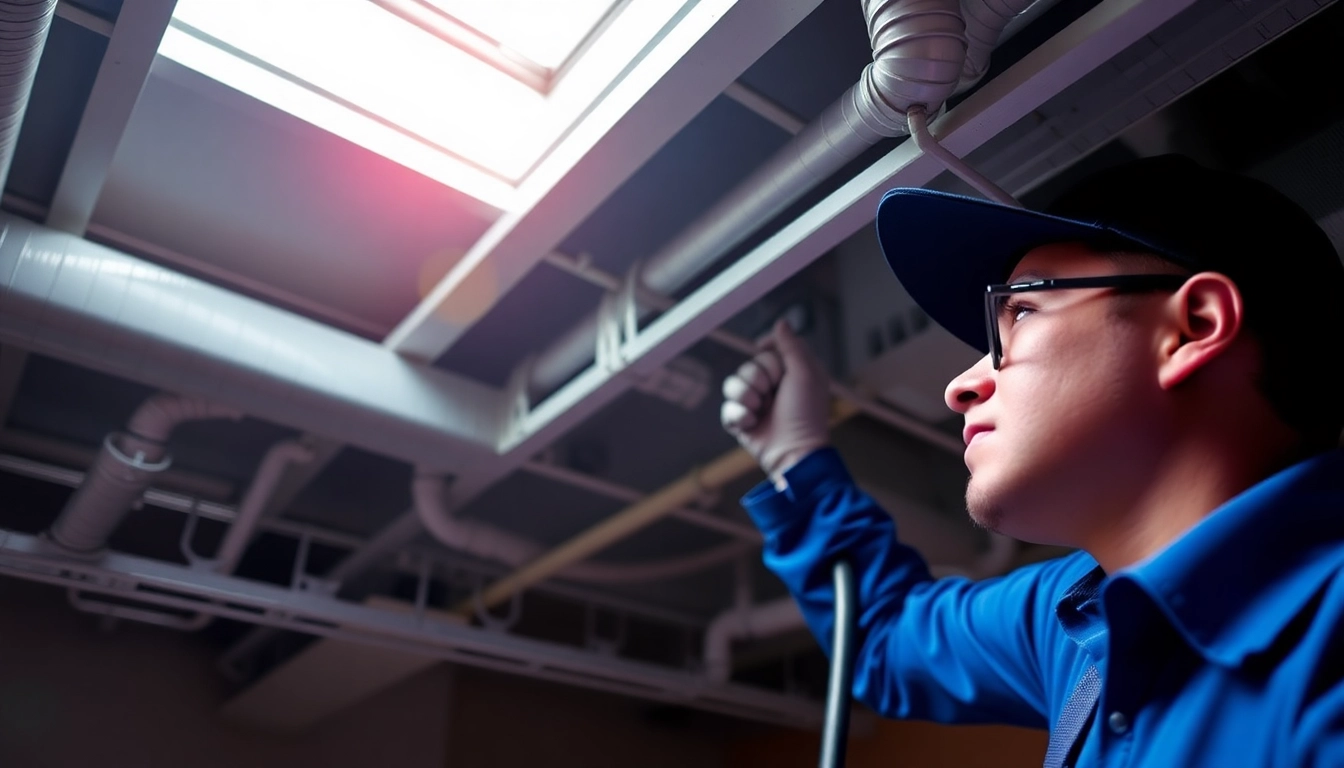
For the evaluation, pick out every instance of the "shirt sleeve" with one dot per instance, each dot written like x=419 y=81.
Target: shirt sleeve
x=1319 y=738
x=948 y=650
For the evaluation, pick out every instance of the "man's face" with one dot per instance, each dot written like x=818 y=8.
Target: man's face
x=1069 y=421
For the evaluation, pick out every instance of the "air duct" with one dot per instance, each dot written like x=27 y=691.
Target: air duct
x=488 y=542
x=919 y=47
x=23 y=33
x=123 y=470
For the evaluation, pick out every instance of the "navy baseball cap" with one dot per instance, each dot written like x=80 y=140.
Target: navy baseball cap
x=946 y=248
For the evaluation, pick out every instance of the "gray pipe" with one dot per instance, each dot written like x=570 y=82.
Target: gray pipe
x=23 y=32
x=919 y=47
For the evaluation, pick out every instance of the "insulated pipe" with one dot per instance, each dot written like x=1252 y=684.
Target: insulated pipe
x=23 y=33
x=254 y=502
x=918 y=51
x=123 y=470
x=757 y=621
x=486 y=541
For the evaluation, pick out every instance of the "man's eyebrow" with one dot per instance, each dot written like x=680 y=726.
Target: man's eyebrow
x=1026 y=277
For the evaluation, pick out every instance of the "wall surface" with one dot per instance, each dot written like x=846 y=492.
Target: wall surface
x=140 y=697
x=896 y=744
x=503 y=721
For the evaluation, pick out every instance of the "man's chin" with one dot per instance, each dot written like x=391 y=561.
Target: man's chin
x=983 y=507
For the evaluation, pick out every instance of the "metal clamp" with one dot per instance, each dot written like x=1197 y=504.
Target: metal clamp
x=199 y=562
x=607 y=646
x=618 y=322
x=489 y=620
x=518 y=396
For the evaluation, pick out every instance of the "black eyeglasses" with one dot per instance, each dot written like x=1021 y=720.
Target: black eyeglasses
x=996 y=297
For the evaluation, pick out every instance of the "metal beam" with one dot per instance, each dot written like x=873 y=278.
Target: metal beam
x=694 y=62
x=182 y=588
x=1100 y=34
x=86 y=19
x=1089 y=42
x=121 y=77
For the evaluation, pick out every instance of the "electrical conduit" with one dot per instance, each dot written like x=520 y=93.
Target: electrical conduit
x=488 y=542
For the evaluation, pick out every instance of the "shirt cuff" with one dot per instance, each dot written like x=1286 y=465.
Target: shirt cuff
x=771 y=508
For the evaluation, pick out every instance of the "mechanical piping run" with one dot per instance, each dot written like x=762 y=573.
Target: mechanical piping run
x=488 y=542
x=919 y=47
x=123 y=470
x=23 y=33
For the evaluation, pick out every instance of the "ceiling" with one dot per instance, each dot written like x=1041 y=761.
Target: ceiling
x=223 y=188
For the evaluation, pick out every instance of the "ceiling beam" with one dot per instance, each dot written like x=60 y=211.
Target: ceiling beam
x=121 y=77
x=692 y=65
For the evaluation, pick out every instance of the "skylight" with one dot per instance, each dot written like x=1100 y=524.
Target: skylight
x=468 y=92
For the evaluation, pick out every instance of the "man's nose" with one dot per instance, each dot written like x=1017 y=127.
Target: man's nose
x=975 y=384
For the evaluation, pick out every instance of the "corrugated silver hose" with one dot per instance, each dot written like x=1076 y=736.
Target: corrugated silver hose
x=23 y=32
x=918 y=50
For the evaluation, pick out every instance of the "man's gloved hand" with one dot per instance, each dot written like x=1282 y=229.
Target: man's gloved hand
x=777 y=405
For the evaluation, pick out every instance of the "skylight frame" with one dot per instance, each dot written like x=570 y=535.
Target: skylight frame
x=442 y=24
x=612 y=50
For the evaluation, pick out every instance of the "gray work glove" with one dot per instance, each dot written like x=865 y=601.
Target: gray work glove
x=777 y=404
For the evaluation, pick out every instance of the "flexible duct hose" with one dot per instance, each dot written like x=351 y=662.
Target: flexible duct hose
x=23 y=33
x=124 y=468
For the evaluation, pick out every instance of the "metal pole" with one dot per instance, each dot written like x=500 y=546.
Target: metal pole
x=836 y=729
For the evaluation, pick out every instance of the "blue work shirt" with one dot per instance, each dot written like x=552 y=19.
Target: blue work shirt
x=1224 y=649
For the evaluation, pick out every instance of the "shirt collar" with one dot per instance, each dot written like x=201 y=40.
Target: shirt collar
x=1231 y=584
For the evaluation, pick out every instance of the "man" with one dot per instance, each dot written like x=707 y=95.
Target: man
x=1155 y=393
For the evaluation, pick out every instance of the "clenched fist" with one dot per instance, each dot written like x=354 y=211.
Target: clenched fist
x=777 y=404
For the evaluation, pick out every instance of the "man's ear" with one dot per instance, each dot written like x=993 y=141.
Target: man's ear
x=1205 y=318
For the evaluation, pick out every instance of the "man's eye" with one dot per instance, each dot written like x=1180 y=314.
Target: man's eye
x=1015 y=311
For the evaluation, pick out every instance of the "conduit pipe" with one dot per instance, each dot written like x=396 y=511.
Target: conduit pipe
x=639 y=515
x=24 y=25
x=780 y=616
x=919 y=47
x=486 y=541
x=123 y=470
x=254 y=502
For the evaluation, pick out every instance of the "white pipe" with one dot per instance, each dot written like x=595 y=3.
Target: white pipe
x=254 y=502
x=781 y=616
x=23 y=33
x=486 y=541
x=919 y=131
x=764 y=620
x=985 y=24
x=918 y=50
x=123 y=470
x=158 y=416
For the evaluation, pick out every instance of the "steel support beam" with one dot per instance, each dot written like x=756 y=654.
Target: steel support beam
x=121 y=77
x=713 y=43
x=1099 y=35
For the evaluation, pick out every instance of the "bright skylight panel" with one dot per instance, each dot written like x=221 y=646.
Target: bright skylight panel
x=545 y=32
x=380 y=80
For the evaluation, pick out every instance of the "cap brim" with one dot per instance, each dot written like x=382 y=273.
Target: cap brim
x=945 y=249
